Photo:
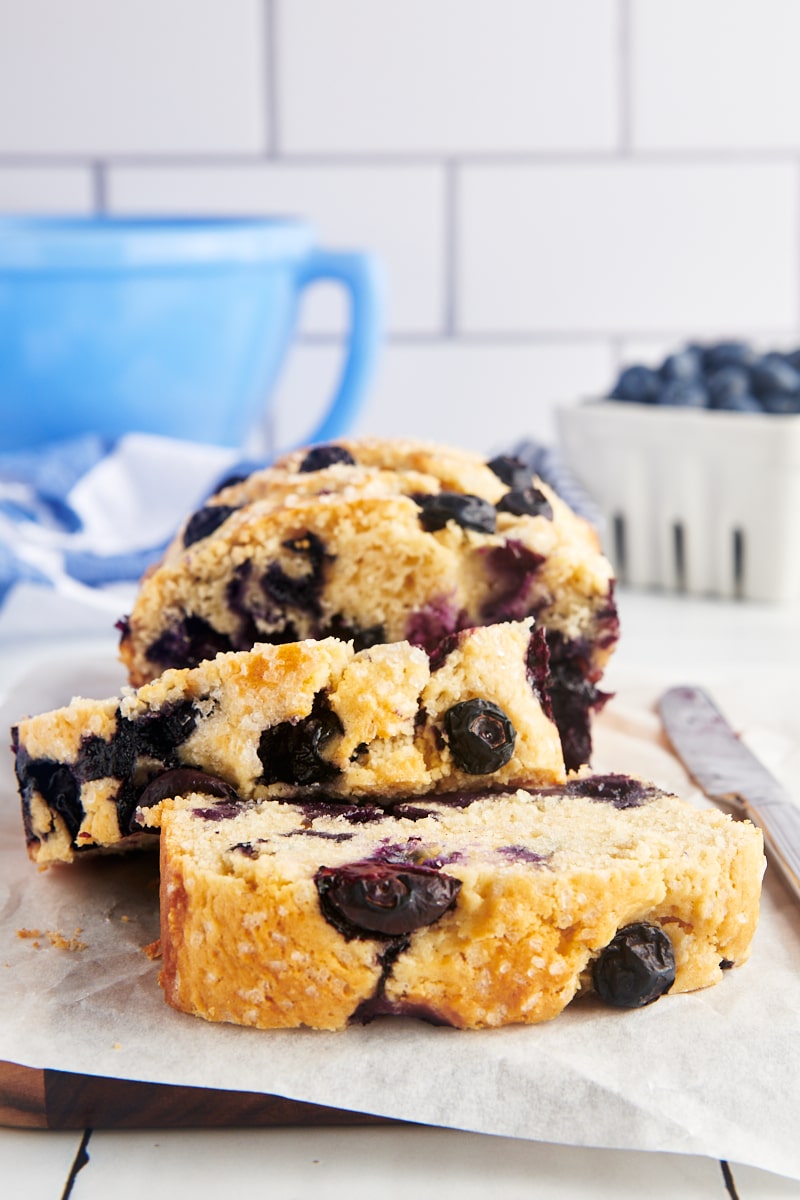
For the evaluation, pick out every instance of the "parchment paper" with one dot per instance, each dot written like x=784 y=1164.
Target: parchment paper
x=716 y=1072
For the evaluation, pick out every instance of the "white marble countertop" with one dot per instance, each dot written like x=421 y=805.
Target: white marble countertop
x=669 y=639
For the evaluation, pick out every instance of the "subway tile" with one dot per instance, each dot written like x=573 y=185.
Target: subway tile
x=92 y=78
x=484 y=396
x=447 y=77
x=396 y=212
x=45 y=189
x=715 y=74
x=636 y=248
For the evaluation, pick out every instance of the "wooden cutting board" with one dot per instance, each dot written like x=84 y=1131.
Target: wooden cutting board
x=31 y=1098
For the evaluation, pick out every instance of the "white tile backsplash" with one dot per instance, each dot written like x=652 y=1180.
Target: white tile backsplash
x=482 y=396
x=154 y=77
x=549 y=187
x=396 y=212
x=715 y=74
x=46 y=189
x=446 y=76
x=629 y=246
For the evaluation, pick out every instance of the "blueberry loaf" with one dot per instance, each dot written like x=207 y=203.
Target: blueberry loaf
x=383 y=541
x=465 y=910
x=283 y=720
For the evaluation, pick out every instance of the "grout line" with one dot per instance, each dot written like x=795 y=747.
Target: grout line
x=614 y=338
x=271 y=76
x=79 y=1162
x=99 y=188
x=624 y=69
x=450 y=265
x=386 y=159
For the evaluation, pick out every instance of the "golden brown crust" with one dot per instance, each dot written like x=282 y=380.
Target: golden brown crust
x=377 y=567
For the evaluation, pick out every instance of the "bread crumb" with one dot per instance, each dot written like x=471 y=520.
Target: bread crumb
x=55 y=938
x=65 y=943
x=153 y=950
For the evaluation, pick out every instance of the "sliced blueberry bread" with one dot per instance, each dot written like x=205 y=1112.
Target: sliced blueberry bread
x=286 y=720
x=383 y=541
x=470 y=910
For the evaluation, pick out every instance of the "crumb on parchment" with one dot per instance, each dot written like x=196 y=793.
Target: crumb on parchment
x=55 y=938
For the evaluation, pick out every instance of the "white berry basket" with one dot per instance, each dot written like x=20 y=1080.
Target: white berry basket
x=699 y=501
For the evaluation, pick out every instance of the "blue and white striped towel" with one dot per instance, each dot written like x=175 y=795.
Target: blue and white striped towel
x=79 y=515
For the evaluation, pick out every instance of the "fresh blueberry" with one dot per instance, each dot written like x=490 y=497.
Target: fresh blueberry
x=746 y=403
x=681 y=393
x=637 y=384
x=636 y=967
x=369 y=899
x=772 y=374
x=471 y=512
x=686 y=365
x=511 y=471
x=726 y=384
x=481 y=736
x=780 y=403
x=321 y=457
x=727 y=354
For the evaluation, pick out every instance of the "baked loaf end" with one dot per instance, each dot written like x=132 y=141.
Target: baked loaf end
x=287 y=720
x=382 y=541
x=471 y=911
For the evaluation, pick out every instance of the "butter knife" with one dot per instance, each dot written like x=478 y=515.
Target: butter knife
x=726 y=770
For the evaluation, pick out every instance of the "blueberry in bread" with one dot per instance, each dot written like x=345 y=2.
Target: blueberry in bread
x=287 y=720
x=383 y=541
x=471 y=909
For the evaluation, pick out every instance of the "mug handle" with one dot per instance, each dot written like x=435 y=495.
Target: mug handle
x=361 y=277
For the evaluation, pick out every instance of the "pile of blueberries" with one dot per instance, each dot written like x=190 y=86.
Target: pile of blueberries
x=724 y=375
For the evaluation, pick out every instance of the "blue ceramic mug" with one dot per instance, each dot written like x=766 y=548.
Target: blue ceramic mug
x=162 y=325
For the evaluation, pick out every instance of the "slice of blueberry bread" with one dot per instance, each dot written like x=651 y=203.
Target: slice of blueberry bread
x=383 y=541
x=288 y=720
x=469 y=910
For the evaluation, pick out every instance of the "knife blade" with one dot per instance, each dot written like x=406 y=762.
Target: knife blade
x=727 y=771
